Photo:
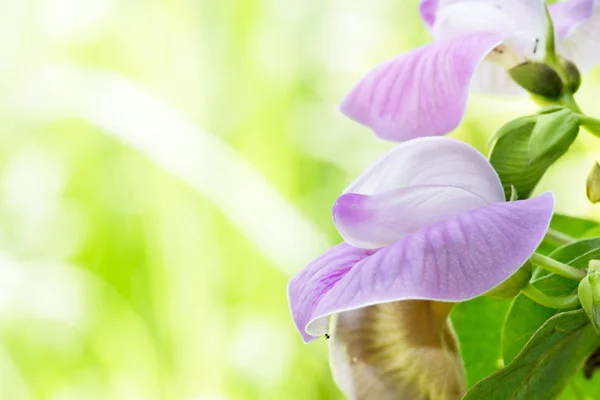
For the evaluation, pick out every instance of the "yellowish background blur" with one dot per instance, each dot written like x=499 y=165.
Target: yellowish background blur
x=166 y=166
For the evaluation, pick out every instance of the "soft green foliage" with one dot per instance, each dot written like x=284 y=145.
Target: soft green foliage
x=477 y=324
x=546 y=363
x=136 y=264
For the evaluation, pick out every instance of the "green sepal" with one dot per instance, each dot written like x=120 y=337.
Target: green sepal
x=538 y=78
x=549 y=109
x=553 y=132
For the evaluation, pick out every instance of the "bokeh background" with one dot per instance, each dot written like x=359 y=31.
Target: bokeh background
x=166 y=166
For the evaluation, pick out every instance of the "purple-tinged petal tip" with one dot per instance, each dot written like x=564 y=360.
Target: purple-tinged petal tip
x=420 y=93
x=428 y=9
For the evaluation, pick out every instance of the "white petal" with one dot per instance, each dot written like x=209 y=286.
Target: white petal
x=521 y=22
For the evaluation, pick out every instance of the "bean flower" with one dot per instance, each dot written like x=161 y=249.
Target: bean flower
x=424 y=92
x=425 y=227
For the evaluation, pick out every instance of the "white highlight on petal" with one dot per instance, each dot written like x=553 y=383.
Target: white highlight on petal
x=431 y=161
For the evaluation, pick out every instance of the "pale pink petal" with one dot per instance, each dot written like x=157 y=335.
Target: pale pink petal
x=582 y=45
x=415 y=184
x=421 y=93
x=568 y=15
x=522 y=19
x=453 y=260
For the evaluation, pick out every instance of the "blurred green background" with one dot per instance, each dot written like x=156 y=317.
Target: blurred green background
x=166 y=166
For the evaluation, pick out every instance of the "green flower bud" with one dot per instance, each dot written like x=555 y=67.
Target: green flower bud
x=513 y=285
x=589 y=294
x=538 y=78
x=592 y=186
x=553 y=132
x=573 y=75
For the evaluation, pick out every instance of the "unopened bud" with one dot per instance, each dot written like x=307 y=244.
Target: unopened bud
x=589 y=294
x=573 y=75
x=538 y=78
x=592 y=186
x=513 y=285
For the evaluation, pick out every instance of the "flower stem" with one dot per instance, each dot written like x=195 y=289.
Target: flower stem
x=550 y=301
x=569 y=101
x=558 y=238
x=592 y=125
x=557 y=267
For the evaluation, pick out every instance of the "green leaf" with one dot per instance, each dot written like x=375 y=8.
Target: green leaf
x=510 y=158
x=525 y=316
x=547 y=363
x=571 y=226
x=477 y=324
x=553 y=132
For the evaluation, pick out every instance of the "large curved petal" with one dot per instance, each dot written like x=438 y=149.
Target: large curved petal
x=568 y=15
x=399 y=350
x=437 y=161
x=421 y=93
x=414 y=185
x=582 y=45
x=453 y=260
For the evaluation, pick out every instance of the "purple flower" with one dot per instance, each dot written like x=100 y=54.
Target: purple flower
x=424 y=92
x=424 y=227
